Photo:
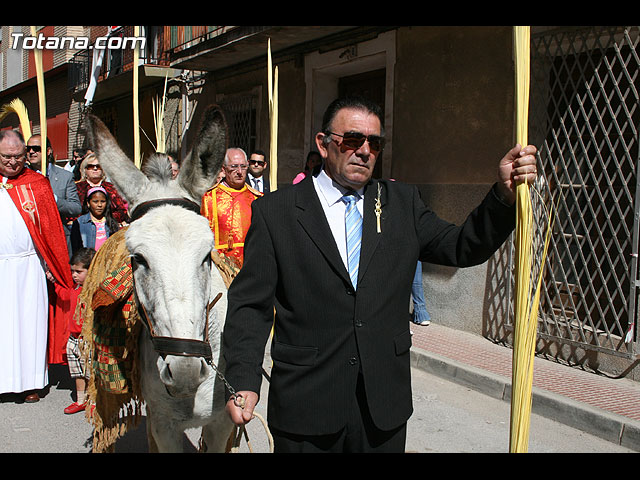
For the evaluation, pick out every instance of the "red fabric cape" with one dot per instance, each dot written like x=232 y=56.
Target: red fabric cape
x=32 y=195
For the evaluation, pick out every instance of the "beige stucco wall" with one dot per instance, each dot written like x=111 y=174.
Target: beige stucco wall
x=291 y=88
x=453 y=115
x=453 y=121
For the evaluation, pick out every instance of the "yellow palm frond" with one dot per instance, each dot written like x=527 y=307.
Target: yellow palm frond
x=525 y=302
x=18 y=107
x=272 y=85
x=42 y=102
x=158 y=120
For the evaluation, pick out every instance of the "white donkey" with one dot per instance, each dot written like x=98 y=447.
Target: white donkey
x=170 y=245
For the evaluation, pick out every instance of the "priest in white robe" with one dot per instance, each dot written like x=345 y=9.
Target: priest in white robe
x=31 y=242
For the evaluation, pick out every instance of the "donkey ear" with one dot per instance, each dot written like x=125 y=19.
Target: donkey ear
x=199 y=170
x=122 y=172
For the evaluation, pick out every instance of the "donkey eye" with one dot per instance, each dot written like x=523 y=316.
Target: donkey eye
x=140 y=260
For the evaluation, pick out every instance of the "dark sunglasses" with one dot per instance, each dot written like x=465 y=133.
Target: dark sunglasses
x=257 y=162
x=95 y=167
x=354 y=140
x=35 y=148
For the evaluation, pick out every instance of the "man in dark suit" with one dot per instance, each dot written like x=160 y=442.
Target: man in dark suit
x=255 y=176
x=62 y=183
x=341 y=378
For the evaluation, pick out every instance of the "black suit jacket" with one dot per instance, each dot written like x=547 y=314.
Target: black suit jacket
x=325 y=333
x=265 y=183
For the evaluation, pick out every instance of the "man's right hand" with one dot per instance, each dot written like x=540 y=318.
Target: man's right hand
x=241 y=415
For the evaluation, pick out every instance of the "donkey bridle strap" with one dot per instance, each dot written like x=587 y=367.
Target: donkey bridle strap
x=171 y=345
x=144 y=207
x=183 y=347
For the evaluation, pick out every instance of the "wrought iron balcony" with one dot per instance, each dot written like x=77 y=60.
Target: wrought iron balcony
x=117 y=61
x=178 y=38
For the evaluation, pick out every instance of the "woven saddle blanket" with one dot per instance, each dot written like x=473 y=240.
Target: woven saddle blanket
x=111 y=328
x=110 y=316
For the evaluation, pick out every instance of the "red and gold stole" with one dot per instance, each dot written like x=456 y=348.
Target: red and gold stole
x=229 y=213
x=32 y=195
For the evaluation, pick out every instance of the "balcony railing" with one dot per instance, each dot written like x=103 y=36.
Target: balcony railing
x=117 y=61
x=178 y=38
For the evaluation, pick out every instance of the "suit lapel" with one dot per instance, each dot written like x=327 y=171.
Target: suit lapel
x=51 y=175
x=312 y=219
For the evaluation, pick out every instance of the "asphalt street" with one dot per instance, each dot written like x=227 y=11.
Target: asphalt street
x=448 y=418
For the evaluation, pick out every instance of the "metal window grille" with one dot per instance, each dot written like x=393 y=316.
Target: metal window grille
x=240 y=114
x=584 y=117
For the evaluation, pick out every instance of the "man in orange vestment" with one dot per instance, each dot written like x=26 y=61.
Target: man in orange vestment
x=227 y=206
x=29 y=197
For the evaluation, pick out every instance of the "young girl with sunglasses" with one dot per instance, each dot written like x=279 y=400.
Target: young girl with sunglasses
x=92 y=229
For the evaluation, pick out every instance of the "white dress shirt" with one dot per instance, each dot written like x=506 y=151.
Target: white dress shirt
x=256 y=182
x=330 y=194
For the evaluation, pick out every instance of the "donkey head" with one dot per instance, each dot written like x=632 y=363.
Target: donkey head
x=170 y=246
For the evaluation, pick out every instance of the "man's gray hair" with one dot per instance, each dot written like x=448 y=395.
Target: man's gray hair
x=226 y=155
x=12 y=133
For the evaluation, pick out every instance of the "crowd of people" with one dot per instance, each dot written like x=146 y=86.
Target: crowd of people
x=346 y=359
x=90 y=210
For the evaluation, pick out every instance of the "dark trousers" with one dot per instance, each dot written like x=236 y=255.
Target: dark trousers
x=360 y=435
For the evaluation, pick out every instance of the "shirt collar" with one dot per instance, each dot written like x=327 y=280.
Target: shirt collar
x=331 y=191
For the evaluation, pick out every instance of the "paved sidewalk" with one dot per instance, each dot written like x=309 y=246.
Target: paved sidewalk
x=602 y=406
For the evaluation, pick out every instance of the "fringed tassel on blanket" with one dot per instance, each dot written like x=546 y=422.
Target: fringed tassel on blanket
x=110 y=320
x=111 y=325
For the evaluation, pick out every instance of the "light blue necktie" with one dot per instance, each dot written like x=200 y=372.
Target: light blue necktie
x=353 y=226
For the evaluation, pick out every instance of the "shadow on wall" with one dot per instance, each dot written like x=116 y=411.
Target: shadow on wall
x=497 y=309
x=498 y=317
